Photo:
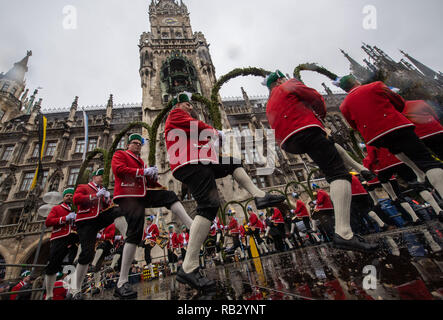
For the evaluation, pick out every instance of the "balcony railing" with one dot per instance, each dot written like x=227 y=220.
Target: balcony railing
x=32 y=228
x=8 y=231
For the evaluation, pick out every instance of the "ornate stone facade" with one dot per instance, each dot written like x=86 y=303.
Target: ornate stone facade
x=172 y=58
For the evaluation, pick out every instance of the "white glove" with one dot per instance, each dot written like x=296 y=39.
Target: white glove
x=99 y=236
x=292 y=211
x=119 y=237
x=107 y=195
x=101 y=193
x=71 y=216
x=151 y=172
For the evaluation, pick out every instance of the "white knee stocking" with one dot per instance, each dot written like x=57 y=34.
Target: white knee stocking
x=127 y=258
x=374 y=197
x=121 y=225
x=97 y=256
x=388 y=188
x=427 y=196
x=49 y=283
x=288 y=243
x=348 y=160
x=178 y=210
x=245 y=182
x=341 y=198
x=115 y=259
x=435 y=177
x=409 y=210
x=79 y=276
x=197 y=235
x=377 y=219
x=420 y=174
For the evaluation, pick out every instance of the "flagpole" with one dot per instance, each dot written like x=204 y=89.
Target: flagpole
x=85 y=123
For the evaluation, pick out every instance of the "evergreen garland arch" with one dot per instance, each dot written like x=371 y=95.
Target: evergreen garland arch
x=213 y=109
x=313 y=67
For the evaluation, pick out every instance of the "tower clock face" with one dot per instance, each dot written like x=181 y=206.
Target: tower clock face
x=170 y=21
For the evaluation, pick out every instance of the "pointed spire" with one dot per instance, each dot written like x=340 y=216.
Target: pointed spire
x=357 y=69
x=37 y=105
x=24 y=95
x=110 y=101
x=17 y=73
x=423 y=68
x=109 y=107
x=73 y=110
x=246 y=98
x=74 y=104
x=31 y=102
x=327 y=89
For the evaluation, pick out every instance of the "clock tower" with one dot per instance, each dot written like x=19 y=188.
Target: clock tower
x=173 y=59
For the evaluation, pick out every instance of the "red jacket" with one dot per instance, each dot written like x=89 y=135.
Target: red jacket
x=107 y=233
x=379 y=159
x=187 y=140
x=88 y=204
x=277 y=217
x=323 y=200
x=151 y=231
x=129 y=176
x=173 y=240
x=357 y=188
x=17 y=287
x=374 y=110
x=220 y=225
x=233 y=226
x=242 y=230
x=423 y=116
x=255 y=222
x=301 y=210
x=183 y=239
x=57 y=220
x=59 y=292
x=293 y=107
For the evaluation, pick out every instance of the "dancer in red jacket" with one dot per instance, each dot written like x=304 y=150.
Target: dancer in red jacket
x=150 y=235
x=24 y=284
x=295 y=112
x=183 y=240
x=195 y=162
x=136 y=188
x=61 y=219
x=376 y=112
x=95 y=212
x=173 y=249
x=386 y=165
x=234 y=232
x=324 y=211
x=362 y=207
x=257 y=228
x=427 y=125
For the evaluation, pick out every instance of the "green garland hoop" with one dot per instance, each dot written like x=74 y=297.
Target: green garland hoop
x=313 y=67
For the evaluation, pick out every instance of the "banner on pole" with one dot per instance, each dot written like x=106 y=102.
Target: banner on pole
x=42 y=122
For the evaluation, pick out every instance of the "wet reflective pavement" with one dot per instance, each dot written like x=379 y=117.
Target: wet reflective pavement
x=408 y=265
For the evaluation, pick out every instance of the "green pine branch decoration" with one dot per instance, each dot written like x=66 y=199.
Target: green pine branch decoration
x=313 y=67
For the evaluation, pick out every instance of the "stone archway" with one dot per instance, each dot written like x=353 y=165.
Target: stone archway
x=4 y=256
x=27 y=255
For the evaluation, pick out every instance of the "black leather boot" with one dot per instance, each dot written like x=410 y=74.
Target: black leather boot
x=269 y=200
x=195 y=279
x=125 y=292
x=356 y=243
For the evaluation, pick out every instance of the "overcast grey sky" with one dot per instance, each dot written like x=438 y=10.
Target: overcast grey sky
x=101 y=56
